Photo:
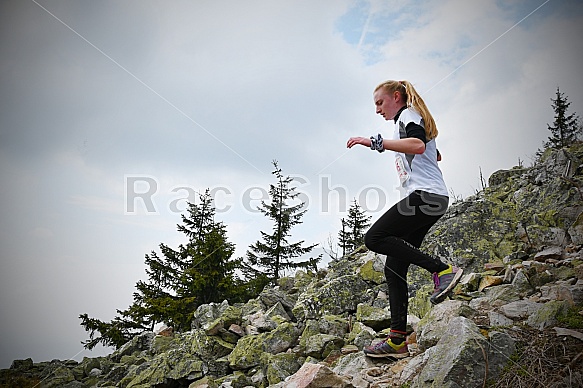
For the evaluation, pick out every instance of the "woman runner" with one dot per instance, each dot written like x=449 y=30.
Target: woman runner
x=399 y=232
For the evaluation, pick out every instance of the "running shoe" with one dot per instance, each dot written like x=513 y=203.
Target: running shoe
x=444 y=282
x=387 y=348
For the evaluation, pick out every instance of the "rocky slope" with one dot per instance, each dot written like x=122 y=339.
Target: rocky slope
x=521 y=300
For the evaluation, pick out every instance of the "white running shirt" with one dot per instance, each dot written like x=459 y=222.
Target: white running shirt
x=417 y=171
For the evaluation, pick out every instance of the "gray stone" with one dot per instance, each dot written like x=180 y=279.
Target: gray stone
x=546 y=316
x=522 y=284
x=336 y=297
x=361 y=335
x=572 y=293
x=136 y=345
x=207 y=313
x=315 y=376
x=502 y=295
x=209 y=347
x=461 y=356
x=520 y=309
x=498 y=320
x=280 y=366
x=352 y=365
x=501 y=346
x=434 y=325
x=549 y=253
x=320 y=345
x=374 y=317
x=260 y=321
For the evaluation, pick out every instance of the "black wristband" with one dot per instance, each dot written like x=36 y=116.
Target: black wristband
x=376 y=143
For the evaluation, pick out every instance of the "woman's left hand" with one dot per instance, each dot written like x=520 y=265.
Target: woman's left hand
x=365 y=141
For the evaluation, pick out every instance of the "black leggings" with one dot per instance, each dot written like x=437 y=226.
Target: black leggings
x=398 y=234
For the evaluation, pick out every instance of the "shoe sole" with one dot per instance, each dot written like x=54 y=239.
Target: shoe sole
x=394 y=356
x=443 y=294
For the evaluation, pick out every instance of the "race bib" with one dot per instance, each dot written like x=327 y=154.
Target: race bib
x=401 y=171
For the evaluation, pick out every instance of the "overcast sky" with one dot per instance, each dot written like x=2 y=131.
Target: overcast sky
x=112 y=113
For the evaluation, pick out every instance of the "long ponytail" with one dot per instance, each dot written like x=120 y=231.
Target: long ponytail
x=413 y=100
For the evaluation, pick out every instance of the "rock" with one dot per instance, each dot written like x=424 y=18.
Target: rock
x=164 y=331
x=520 y=309
x=286 y=283
x=58 y=377
x=419 y=304
x=320 y=345
x=575 y=231
x=273 y=295
x=136 y=345
x=280 y=366
x=499 y=320
x=207 y=313
x=205 y=382
x=470 y=282
x=236 y=329
x=172 y=365
x=89 y=364
x=572 y=293
x=497 y=267
x=247 y=353
x=434 y=325
x=521 y=283
x=490 y=280
x=501 y=347
x=361 y=335
x=460 y=346
x=515 y=257
x=502 y=294
x=277 y=310
x=352 y=365
x=334 y=325
x=94 y=372
x=338 y=296
x=21 y=365
x=315 y=376
x=546 y=316
x=367 y=272
x=374 y=317
x=568 y=332
x=260 y=321
x=209 y=347
x=227 y=316
x=160 y=344
x=549 y=253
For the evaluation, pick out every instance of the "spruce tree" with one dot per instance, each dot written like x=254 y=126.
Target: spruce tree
x=198 y=272
x=566 y=128
x=270 y=257
x=351 y=236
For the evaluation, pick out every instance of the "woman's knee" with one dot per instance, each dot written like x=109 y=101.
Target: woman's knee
x=370 y=241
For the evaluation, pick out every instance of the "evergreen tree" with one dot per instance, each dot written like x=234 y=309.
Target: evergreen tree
x=353 y=228
x=270 y=257
x=199 y=272
x=566 y=128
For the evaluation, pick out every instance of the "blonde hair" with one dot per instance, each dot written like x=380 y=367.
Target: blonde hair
x=412 y=100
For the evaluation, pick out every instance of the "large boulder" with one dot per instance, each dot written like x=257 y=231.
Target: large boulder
x=340 y=295
x=461 y=357
x=248 y=351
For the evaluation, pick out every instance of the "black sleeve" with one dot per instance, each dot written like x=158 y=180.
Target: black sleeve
x=416 y=130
